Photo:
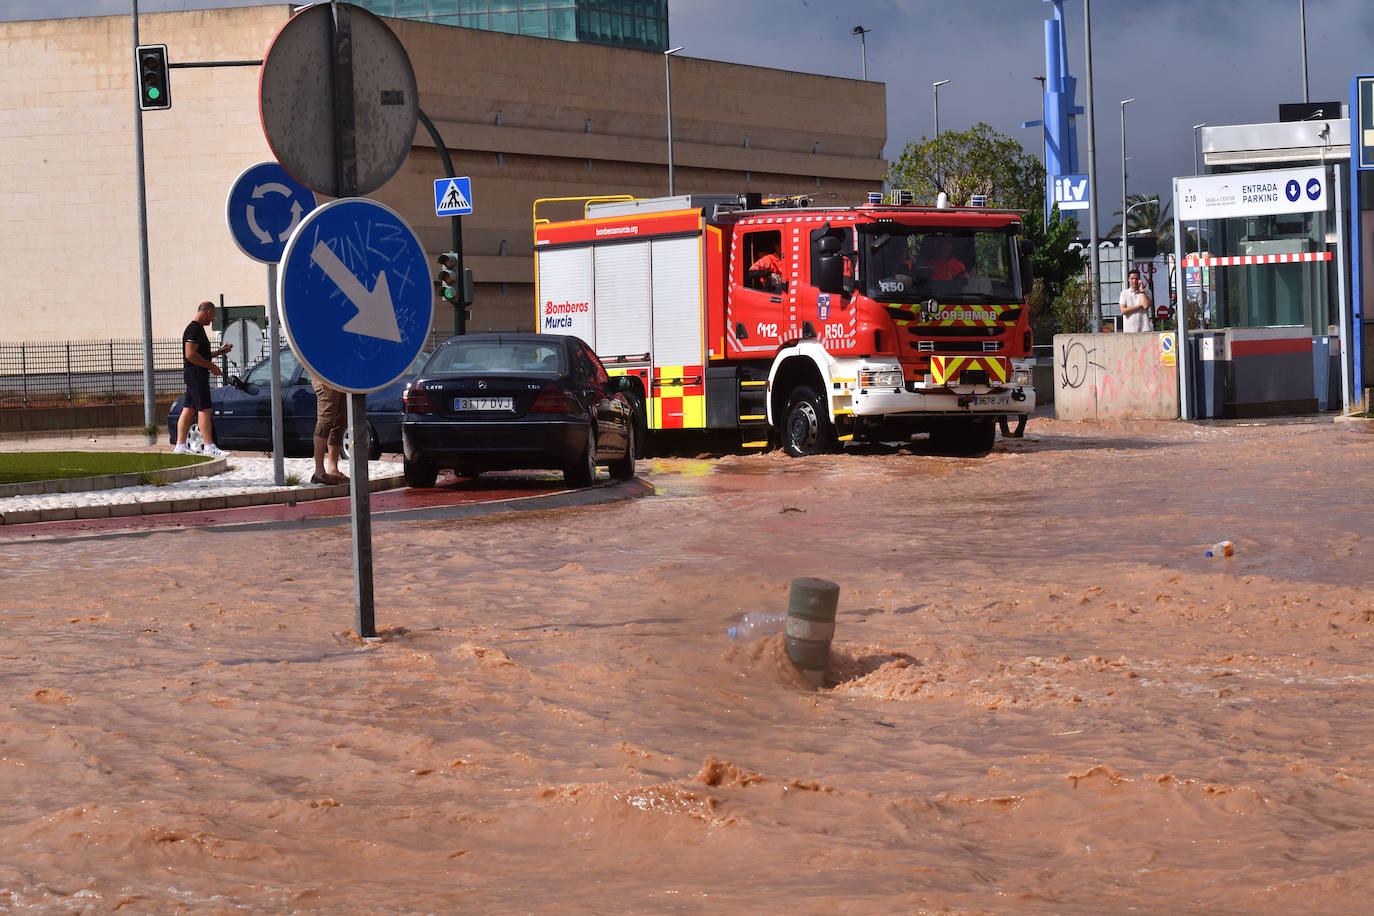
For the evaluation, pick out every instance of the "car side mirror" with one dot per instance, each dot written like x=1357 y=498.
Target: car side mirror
x=236 y=382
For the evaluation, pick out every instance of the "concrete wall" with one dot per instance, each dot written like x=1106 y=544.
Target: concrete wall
x=1101 y=376
x=524 y=117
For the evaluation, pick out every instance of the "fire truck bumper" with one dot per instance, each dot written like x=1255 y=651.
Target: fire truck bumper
x=947 y=401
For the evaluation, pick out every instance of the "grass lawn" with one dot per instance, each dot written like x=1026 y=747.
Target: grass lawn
x=21 y=467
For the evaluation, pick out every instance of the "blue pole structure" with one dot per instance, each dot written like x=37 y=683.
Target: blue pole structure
x=1361 y=119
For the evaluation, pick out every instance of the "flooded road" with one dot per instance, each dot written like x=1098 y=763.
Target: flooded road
x=1043 y=697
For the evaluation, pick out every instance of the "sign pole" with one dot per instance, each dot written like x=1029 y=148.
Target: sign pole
x=368 y=85
x=274 y=361
x=1185 y=353
x=346 y=165
x=264 y=205
x=360 y=512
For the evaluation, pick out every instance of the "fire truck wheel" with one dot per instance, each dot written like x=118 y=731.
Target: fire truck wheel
x=806 y=428
x=419 y=473
x=624 y=468
x=582 y=472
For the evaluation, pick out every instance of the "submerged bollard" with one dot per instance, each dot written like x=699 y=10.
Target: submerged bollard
x=811 y=625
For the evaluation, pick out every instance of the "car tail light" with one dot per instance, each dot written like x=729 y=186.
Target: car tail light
x=417 y=399
x=553 y=399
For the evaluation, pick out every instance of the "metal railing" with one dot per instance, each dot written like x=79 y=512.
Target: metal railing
x=77 y=373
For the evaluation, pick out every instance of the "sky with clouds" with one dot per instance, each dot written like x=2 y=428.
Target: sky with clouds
x=1184 y=62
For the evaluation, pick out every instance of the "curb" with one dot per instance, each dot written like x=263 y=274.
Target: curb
x=265 y=497
x=206 y=468
x=598 y=494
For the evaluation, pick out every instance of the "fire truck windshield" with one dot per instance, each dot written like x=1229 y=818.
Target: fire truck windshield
x=912 y=264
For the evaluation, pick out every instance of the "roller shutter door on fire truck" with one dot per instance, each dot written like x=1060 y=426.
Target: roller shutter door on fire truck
x=565 y=293
x=621 y=280
x=679 y=389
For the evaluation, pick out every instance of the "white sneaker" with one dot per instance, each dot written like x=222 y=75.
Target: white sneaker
x=214 y=451
x=182 y=449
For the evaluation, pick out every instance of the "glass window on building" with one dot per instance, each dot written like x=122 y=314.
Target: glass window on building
x=623 y=23
x=563 y=24
x=534 y=23
x=380 y=7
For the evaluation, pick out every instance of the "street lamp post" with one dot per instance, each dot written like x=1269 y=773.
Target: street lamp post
x=668 y=91
x=863 y=47
x=1094 y=260
x=1302 y=13
x=935 y=87
x=1045 y=145
x=1197 y=170
x=1124 y=210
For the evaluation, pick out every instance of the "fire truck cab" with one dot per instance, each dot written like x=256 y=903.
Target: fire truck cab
x=882 y=321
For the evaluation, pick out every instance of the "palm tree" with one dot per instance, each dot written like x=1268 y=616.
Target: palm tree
x=1147 y=218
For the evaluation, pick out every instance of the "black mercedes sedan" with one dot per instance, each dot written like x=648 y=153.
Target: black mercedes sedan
x=497 y=402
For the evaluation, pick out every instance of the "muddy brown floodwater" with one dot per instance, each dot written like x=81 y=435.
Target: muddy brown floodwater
x=1043 y=698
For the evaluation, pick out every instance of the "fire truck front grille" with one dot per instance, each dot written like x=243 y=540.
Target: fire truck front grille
x=1008 y=316
x=957 y=346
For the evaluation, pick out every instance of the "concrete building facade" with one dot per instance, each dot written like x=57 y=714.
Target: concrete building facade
x=526 y=118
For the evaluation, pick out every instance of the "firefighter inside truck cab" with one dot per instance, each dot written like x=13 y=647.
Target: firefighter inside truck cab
x=940 y=258
x=766 y=272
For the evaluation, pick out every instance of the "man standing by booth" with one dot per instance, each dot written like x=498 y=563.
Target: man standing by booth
x=1135 y=305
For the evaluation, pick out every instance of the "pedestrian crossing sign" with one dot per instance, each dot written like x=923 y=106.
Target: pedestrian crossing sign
x=452 y=196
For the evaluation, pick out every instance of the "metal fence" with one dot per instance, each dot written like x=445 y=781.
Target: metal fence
x=76 y=373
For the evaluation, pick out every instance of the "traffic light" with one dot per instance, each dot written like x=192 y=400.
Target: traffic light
x=154 y=87
x=450 y=288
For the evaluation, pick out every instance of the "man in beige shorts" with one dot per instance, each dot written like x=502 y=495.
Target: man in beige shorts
x=331 y=418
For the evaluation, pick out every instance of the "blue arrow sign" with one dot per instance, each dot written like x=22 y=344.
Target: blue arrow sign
x=452 y=196
x=264 y=206
x=356 y=294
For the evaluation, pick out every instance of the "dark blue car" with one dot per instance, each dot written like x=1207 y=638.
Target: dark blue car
x=243 y=412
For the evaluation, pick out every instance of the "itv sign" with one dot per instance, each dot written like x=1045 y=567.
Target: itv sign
x=1071 y=192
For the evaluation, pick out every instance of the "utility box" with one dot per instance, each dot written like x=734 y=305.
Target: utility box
x=1326 y=371
x=1208 y=350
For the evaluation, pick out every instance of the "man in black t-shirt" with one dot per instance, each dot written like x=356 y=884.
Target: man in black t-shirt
x=197 y=365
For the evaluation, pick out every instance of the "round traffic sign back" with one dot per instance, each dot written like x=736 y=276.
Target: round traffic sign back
x=337 y=96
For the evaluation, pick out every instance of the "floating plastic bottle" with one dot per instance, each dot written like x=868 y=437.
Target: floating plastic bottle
x=757 y=623
x=1221 y=549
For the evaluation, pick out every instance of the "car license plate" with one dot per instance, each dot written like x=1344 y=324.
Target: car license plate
x=484 y=404
x=992 y=400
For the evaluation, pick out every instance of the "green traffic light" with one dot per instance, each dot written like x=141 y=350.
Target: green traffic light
x=154 y=93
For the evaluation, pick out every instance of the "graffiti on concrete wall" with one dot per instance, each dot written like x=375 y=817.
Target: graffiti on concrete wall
x=1076 y=363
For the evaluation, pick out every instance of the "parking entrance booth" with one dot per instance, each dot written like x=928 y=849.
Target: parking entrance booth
x=1266 y=302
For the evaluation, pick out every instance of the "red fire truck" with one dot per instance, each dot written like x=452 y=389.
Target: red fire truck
x=883 y=321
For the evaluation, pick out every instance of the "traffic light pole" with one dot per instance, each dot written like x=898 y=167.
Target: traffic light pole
x=461 y=306
x=140 y=104
x=149 y=388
